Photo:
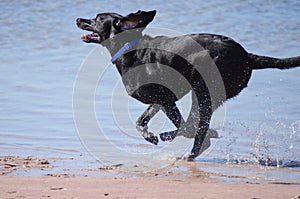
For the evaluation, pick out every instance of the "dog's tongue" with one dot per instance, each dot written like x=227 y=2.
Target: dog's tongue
x=83 y=36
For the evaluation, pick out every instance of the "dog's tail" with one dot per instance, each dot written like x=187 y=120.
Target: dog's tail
x=262 y=62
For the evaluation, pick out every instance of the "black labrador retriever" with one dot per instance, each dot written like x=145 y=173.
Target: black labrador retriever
x=153 y=57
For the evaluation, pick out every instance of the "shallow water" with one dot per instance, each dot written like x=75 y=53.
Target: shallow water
x=41 y=54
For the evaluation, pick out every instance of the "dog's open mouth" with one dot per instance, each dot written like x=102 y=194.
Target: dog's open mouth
x=93 y=37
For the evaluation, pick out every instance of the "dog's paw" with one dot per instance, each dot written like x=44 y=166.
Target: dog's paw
x=152 y=139
x=191 y=157
x=168 y=136
x=187 y=157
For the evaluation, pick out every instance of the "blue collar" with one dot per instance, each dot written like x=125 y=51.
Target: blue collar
x=126 y=47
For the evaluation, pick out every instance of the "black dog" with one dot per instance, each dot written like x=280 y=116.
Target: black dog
x=151 y=82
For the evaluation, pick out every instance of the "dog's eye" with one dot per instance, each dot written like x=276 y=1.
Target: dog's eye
x=99 y=20
x=118 y=22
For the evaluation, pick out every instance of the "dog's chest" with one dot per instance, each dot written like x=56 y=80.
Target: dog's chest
x=152 y=77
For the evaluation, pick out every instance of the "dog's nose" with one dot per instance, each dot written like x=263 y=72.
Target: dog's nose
x=78 y=20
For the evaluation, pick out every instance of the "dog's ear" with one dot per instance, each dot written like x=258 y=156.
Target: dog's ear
x=140 y=19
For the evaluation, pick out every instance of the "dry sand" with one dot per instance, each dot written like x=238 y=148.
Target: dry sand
x=91 y=187
x=143 y=186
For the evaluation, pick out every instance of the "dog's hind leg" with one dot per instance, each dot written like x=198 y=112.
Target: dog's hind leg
x=205 y=112
x=143 y=120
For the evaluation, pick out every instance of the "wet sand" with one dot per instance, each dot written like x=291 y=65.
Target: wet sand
x=159 y=184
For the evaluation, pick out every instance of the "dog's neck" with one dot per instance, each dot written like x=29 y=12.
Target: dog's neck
x=116 y=43
x=124 y=49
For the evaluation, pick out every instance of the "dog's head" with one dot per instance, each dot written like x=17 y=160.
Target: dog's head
x=106 y=25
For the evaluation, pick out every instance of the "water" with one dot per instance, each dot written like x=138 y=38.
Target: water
x=41 y=53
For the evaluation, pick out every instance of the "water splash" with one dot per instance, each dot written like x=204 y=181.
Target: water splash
x=274 y=145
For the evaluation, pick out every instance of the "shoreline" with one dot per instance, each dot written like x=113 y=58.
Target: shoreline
x=174 y=182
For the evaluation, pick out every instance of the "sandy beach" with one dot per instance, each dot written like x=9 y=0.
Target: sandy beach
x=91 y=187
x=158 y=184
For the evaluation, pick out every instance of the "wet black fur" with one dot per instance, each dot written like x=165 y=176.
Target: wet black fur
x=234 y=63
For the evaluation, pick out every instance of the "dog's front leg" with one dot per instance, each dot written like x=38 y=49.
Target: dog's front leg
x=173 y=113
x=143 y=120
